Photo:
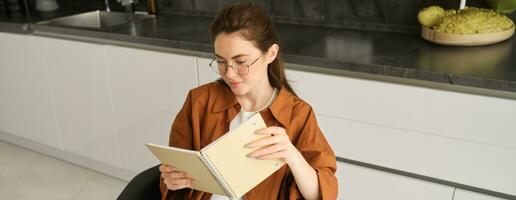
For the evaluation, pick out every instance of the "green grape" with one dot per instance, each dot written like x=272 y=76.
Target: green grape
x=471 y=20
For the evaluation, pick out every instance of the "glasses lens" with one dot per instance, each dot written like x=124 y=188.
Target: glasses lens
x=220 y=67
x=242 y=69
x=215 y=66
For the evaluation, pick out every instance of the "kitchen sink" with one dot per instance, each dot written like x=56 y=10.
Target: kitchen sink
x=98 y=20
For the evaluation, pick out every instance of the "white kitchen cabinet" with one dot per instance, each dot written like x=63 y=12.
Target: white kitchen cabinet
x=80 y=90
x=359 y=183
x=148 y=89
x=362 y=100
x=461 y=194
x=25 y=100
x=447 y=135
x=104 y=102
x=471 y=117
x=206 y=74
x=451 y=159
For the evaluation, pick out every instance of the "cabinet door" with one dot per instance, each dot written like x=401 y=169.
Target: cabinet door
x=368 y=101
x=79 y=85
x=148 y=89
x=206 y=74
x=359 y=183
x=25 y=103
x=423 y=154
x=461 y=194
x=418 y=130
x=472 y=117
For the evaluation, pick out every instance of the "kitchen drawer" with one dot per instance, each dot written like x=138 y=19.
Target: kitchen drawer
x=479 y=165
x=359 y=183
x=361 y=100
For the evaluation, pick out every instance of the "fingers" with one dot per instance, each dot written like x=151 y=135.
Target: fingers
x=266 y=141
x=277 y=135
x=167 y=168
x=177 y=184
x=175 y=175
x=270 y=150
x=171 y=169
x=272 y=130
x=281 y=155
x=175 y=179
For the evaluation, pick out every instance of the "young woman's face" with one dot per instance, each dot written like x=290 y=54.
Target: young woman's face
x=248 y=65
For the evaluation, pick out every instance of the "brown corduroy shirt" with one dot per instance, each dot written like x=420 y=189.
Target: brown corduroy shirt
x=207 y=114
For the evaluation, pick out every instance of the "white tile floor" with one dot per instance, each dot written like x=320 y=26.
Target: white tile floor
x=26 y=174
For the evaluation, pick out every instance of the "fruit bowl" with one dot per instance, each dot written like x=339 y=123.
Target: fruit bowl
x=465 y=39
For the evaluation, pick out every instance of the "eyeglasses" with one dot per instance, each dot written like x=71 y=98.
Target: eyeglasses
x=240 y=67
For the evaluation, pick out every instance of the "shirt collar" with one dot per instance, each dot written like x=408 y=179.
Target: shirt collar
x=281 y=107
x=224 y=98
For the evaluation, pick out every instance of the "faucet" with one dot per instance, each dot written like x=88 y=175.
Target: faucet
x=107 y=6
x=128 y=4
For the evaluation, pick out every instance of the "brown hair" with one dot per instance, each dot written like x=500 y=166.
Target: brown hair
x=257 y=27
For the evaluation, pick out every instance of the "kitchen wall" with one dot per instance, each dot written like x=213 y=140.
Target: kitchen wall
x=90 y=4
x=11 y=8
x=376 y=15
x=392 y=15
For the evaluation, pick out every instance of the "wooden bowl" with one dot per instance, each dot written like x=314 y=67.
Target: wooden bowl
x=465 y=39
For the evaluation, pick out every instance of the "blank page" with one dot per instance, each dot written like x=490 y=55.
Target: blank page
x=229 y=155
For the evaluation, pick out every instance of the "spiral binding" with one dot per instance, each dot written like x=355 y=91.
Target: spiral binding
x=207 y=161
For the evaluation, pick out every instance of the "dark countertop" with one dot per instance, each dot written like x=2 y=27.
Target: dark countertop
x=399 y=55
x=14 y=24
x=20 y=23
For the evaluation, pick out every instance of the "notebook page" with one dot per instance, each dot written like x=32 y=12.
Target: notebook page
x=229 y=155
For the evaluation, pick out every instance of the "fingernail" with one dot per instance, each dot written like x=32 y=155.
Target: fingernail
x=250 y=155
x=248 y=145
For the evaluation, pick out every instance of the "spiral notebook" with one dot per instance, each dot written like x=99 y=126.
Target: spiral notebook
x=222 y=167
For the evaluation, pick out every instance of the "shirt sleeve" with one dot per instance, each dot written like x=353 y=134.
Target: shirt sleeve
x=314 y=147
x=181 y=137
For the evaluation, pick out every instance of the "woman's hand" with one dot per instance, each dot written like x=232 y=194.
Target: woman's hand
x=276 y=146
x=173 y=178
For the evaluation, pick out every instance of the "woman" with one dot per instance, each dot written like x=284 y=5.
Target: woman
x=253 y=80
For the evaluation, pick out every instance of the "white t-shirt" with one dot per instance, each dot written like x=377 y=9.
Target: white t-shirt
x=242 y=117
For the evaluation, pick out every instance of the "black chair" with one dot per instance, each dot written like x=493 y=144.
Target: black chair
x=145 y=185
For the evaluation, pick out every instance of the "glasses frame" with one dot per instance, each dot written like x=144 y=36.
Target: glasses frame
x=215 y=67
